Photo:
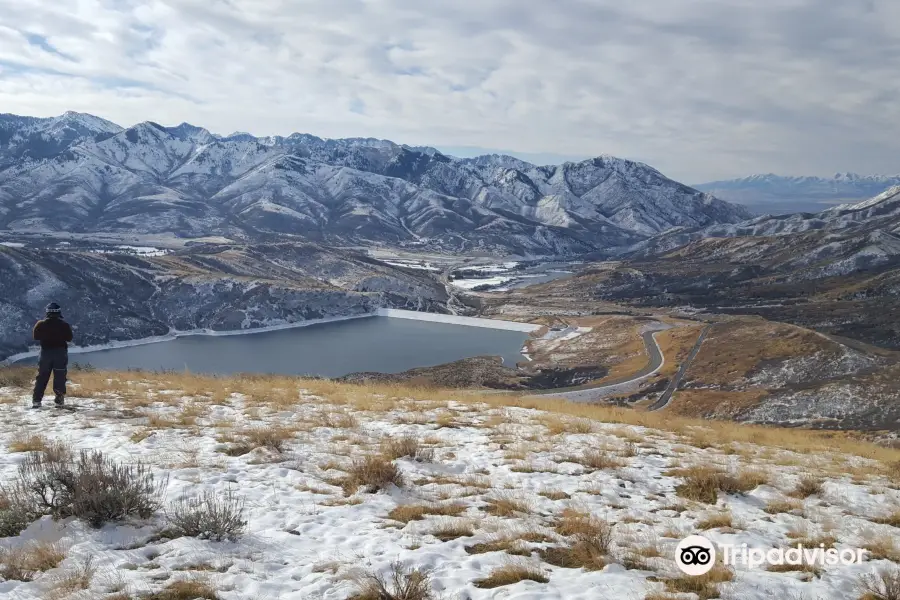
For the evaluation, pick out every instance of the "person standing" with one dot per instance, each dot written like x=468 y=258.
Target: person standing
x=54 y=334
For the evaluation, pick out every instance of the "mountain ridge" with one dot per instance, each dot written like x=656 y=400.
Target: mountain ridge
x=150 y=178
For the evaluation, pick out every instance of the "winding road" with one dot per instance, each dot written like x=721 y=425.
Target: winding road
x=620 y=385
x=663 y=401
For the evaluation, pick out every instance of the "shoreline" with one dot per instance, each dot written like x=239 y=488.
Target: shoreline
x=175 y=334
x=380 y=312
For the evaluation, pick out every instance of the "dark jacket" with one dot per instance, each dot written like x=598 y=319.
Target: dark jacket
x=52 y=332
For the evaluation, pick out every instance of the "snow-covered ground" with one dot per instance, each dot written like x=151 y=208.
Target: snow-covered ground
x=504 y=473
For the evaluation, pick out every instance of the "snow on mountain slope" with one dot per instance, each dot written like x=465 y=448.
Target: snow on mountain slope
x=95 y=176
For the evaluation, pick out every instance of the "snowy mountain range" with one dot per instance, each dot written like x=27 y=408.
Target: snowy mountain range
x=776 y=194
x=80 y=173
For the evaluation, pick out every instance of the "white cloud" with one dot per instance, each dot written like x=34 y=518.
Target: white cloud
x=698 y=88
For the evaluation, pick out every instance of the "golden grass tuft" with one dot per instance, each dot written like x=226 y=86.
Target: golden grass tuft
x=715 y=521
x=451 y=529
x=373 y=473
x=786 y=505
x=186 y=589
x=703 y=484
x=705 y=586
x=883 y=547
x=417 y=512
x=26 y=562
x=507 y=504
x=511 y=573
x=28 y=443
x=808 y=486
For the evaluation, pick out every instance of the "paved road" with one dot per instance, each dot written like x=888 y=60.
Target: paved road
x=592 y=393
x=666 y=397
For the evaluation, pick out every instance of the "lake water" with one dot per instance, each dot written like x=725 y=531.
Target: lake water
x=328 y=349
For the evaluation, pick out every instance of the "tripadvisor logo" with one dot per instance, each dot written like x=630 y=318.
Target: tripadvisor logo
x=696 y=555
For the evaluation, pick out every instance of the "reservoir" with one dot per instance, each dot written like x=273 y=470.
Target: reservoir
x=384 y=344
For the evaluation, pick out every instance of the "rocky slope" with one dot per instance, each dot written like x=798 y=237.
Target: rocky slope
x=118 y=296
x=79 y=173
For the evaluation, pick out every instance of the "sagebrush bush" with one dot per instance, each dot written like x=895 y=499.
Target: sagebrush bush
x=88 y=486
x=15 y=513
x=401 y=583
x=884 y=585
x=210 y=516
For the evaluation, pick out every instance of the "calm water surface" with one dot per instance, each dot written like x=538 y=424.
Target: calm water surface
x=327 y=349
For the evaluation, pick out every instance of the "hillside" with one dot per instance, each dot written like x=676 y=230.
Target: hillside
x=110 y=294
x=321 y=490
x=80 y=174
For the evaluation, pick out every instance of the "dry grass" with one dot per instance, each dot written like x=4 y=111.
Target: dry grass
x=512 y=573
x=372 y=473
x=17 y=377
x=715 y=521
x=804 y=441
x=406 y=447
x=186 y=589
x=808 y=486
x=74 y=579
x=703 y=483
x=554 y=494
x=28 y=443
x=26 y=562
x=787 y=505
x=451 y=529
x=507 y=504
x=417 y=512
x=892 y=519
x=883 y=547
x=590 y=538
x=597 y=459
x=705 y=586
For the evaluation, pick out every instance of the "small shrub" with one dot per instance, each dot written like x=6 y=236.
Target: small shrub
x=88 y=486
x=374 y=473
x=401 y=583
x=883 y=547
x=24 y=563
x=884 y=585
x=598 y=459
x=510 y=574
x=211 y=516
x=808 y=486
x=271 y=437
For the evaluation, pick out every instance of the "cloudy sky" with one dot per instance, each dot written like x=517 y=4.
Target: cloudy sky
x=701 y=89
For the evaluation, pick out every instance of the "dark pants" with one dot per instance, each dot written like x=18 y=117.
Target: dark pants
x=53 y=361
